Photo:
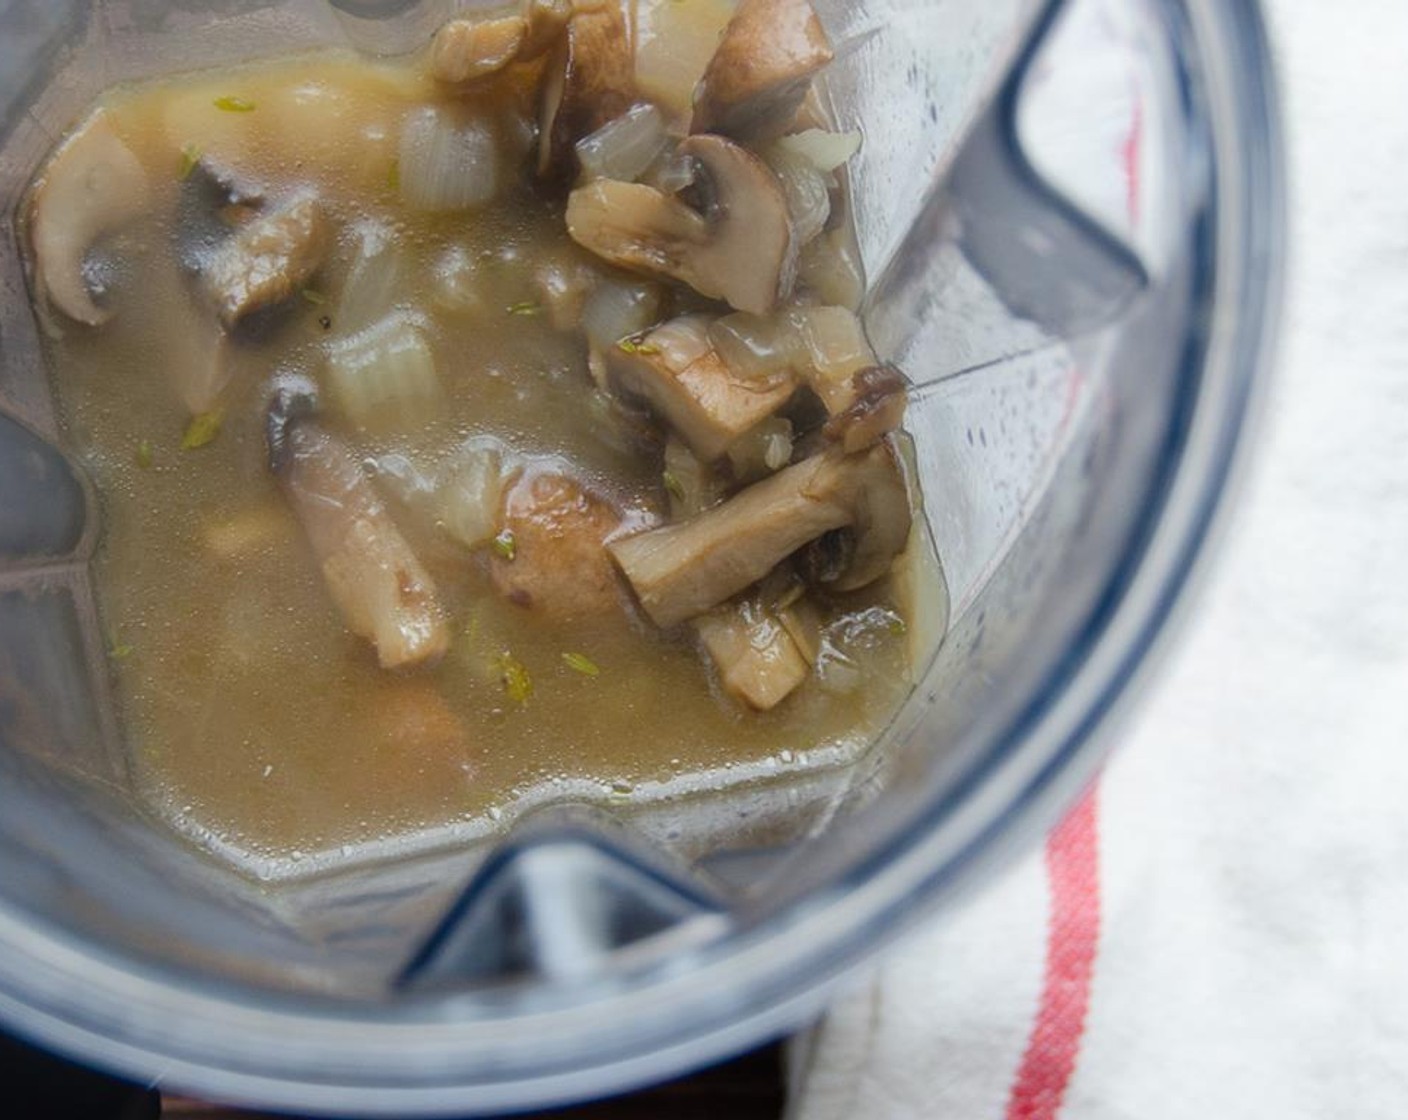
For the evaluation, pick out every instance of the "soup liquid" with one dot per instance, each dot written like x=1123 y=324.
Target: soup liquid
x=254 y=718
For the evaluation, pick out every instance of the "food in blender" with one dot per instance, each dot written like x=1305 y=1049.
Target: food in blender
x=480 y=423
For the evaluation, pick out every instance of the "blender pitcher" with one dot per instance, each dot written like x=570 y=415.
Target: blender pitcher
x=1069 y=214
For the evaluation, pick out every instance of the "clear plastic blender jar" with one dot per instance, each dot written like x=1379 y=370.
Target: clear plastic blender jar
x=1070 y=216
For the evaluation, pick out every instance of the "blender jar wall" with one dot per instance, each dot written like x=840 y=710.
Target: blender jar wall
x=1069 y=476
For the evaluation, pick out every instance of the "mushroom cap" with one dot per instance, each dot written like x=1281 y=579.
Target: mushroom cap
x=465 y=50
x=92 y=186
x=590 y=79
x=762 y=68
x=750 y=259
x=738 y=247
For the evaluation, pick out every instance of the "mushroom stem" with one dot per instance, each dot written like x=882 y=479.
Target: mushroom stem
x=381 y=589
x=679 y=571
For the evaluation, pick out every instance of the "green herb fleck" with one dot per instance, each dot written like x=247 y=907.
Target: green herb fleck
x=581 y=663
x=526 y=307
x=316 y=298
x=143 y=456
x=120 y=651
x=234 y=104
x=635 y=346
x=516 y=681
x=505 y=545
x=896 y=625
x=393 y=176
x=190 y=156
x=673 y=485
x=202 y=429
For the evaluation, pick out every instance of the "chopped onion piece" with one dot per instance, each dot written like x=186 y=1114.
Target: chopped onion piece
x=384 y=375
x=765 y=449
x=375 y=280
x=624 y=147
x=756 y=347
x=835 y=344
x=829 y=268
x=619 y=309
x=456 y=282
x=446 y=163
x=692 y=486
x=469 y=495
x=807 y=190
x=674 y=41
x=672 y=173
x=826 y=151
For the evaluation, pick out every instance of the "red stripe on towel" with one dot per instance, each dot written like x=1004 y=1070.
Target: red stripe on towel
x=1073 y=935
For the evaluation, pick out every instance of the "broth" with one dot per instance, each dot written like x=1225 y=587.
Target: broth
x=255 y=717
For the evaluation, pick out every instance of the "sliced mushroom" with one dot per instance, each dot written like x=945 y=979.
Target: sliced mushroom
x=381 y=589
x=266 y=261
x=552 y=560
x=676 y=370
x=762 y=69
x=758 y=661
x=92 y=186
x=739 y=247
x=547 y=20
x=636 y=227
x=679 y=571
x=879 y=395
x=465 y=50
x=590 y=79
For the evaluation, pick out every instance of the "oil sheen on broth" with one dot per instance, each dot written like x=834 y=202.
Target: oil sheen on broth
x=498 y=385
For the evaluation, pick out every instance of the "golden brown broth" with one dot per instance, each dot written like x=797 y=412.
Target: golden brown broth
x=252 y=713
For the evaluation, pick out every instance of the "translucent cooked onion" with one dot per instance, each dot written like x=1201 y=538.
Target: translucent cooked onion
x=674 y=41
x=624 y=147
x=763 y=450
x=469 y=494
x=383 y=377
x=456 y=283
x=619 y=309
x=375 y=279
x=807 y=190
x=756 y=347
x=834 y=342
x=671 y=173
x=829 y=268
x=826 y=151
x=463 y=498
x=447 y=162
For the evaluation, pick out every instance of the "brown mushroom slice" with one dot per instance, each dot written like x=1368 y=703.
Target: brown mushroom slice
x=635 y=226
x=679 y=571
x=381 y=589
x=267 y=260
x=750 y=259
x=676 y=370
x=879 y=396
x=465 y=50
x=762 y=69
x=547 y=20
x=550 y=559
x=91 y=187
x=590 y=80
x=739 y=247
x=758 y=661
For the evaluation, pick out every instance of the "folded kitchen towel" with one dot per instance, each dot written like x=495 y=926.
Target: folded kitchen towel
x=1218 y=929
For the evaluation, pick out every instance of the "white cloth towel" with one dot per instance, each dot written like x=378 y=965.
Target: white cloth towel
x=1222 y=930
